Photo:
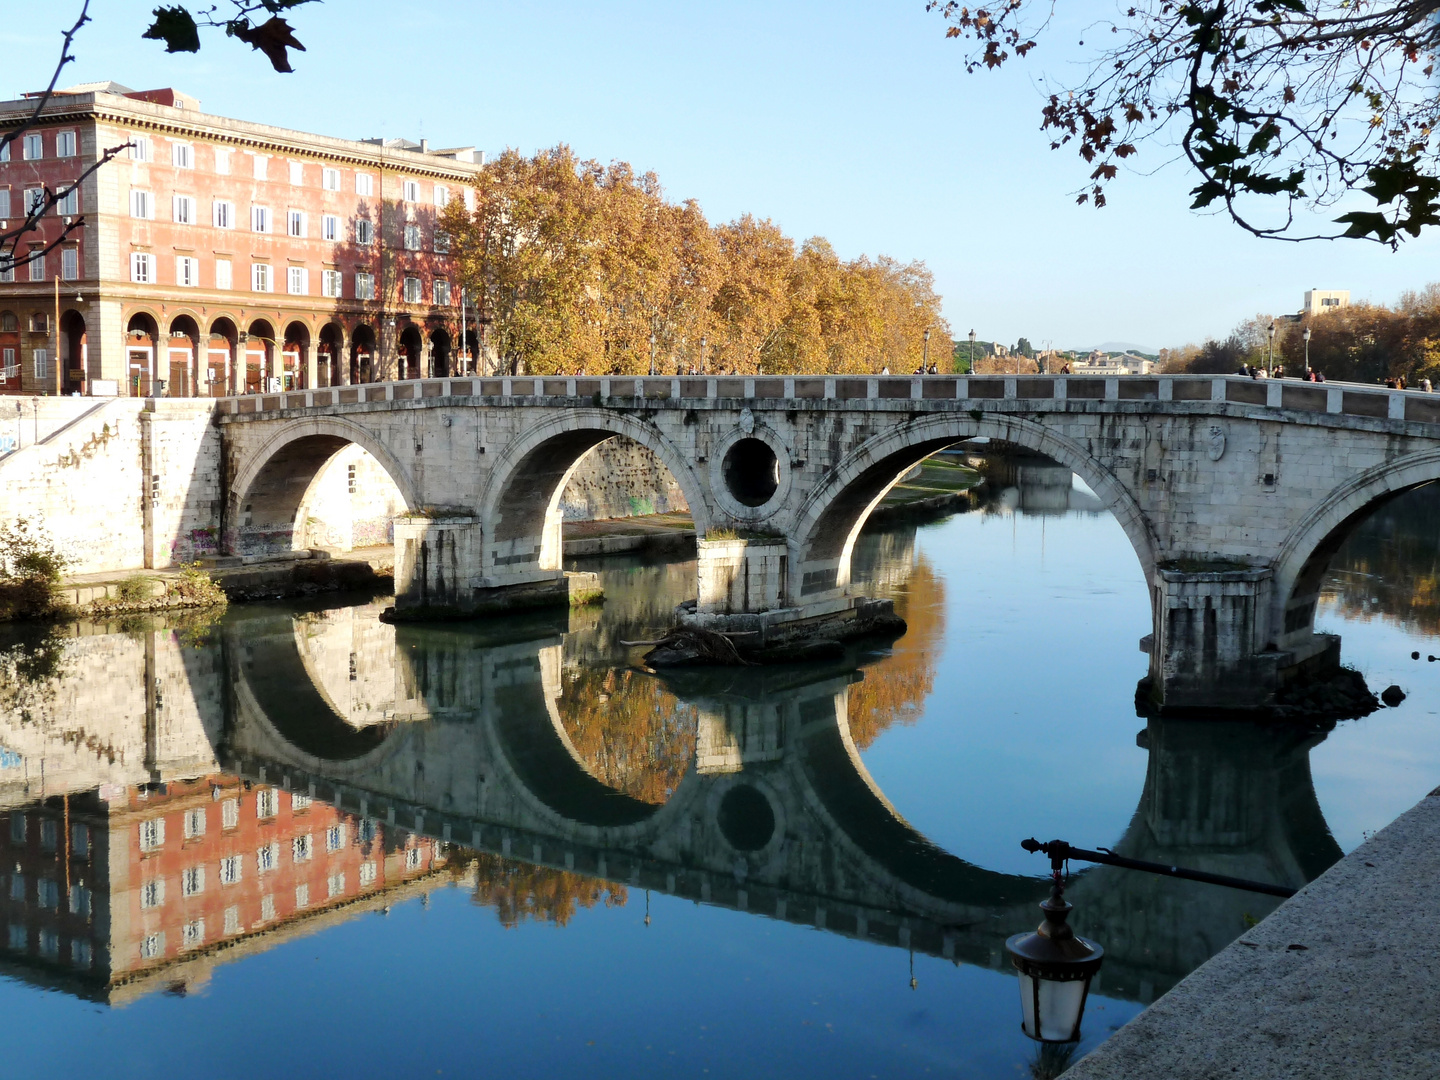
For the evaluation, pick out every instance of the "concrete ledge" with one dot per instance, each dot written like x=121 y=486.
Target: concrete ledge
x=1341 y=981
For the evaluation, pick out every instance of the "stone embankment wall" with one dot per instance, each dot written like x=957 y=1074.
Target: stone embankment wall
x=620 y=478
x=123 y=484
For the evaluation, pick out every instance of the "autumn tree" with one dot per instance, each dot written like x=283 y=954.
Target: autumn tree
x=520 y=891
x=582 y=268
x=1275 y=104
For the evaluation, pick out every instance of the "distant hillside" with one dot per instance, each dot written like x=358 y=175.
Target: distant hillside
x=1123 y=346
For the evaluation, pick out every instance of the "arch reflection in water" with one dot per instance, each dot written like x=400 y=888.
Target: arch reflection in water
x=460 y=736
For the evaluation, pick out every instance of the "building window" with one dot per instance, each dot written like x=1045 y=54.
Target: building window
x=330 y=179
x=17 y=888
x=17 y=827
x=230 y=808
x=267 y=800
x=19 y=937
x=336 y=885
x=296 y=223
x=42 y=363
x=182 y=209
x=442 y=241
x=364 y=232
x=68 y=203
x=193 y=935
x=364 y=184
x=194 y=819
x=4 y=203
x=297 y=173
x=302 y=847
x=442 y=293
x=412 y=237
x=232 y=920
x=230 y=870
x=224 y=280
x=442 y=196
x=262 y=164
x=412 y=858
x=49 y=834
x=80 y=901
x=34 y=200
x=153 y=946
x=7 y=273
x=412 y=190
x=79 y=841
x=142 y=205
x=412 y=290
x=330 y=227
x=142 y=268
x=34 y=147
x=267 y=908
x=82 y=954
x=182 y=155
x=152 y=834
x=222 y=162
x=152 y=893
x=364 y=286
x=11 y=367
x=37 y=264
x=267 y=858
x=369 y=829
x=334 y=838
x=331 y=283
x=302 y=896
x=300 y=801
x=50 y=944
x=187 y=273
x=192 y=881
x=5 y=152
x=141 y=148
x=47 y=893
x=298 y=281
x=367 y=874
x=260 y=282
x=222 y=213
x=65 y=144
x=39 y=322
x=260 y=219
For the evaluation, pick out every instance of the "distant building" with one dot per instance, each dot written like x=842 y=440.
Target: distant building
x=1099 y=363
x=1321 y=301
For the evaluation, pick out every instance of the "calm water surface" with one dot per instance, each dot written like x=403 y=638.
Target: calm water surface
x=299 y=840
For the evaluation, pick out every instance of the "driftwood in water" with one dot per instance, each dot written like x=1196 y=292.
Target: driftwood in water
x=684 y=647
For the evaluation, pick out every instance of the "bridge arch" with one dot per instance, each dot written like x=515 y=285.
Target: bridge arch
x=521 y=503
x=831 y=517
x=1307 y=551
x=272 y=482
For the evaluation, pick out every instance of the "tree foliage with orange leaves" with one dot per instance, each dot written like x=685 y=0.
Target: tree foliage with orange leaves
x=585 y=268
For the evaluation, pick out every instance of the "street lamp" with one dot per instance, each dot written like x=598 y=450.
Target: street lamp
x=652 y=352
x=1306 y=335
x=925 y=356
x=1270 y=359
x=1055 y=968
x=972 y=354
x=702 y=354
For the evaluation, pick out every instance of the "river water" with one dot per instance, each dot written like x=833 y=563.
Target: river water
x=299 y=841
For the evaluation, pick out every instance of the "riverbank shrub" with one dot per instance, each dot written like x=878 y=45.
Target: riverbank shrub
x=30 y=573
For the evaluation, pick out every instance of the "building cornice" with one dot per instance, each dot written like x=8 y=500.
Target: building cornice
x=241 y=134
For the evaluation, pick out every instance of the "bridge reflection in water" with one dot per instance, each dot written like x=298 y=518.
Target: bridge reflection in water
x=178 y=799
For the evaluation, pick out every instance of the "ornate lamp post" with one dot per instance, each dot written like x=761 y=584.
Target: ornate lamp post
x=1270 y=357
x=925 y=356
x=972 y=354
x=1307 y=353
x=1055 y=968
x=652 y=352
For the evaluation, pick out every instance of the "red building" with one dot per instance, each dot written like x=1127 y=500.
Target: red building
x=149 y=884
x=220 y=256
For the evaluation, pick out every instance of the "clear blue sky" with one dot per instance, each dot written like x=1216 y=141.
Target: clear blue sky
x=854 y=121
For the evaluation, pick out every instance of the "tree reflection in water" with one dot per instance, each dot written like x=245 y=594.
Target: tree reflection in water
x=519 y=891
x=631 y=733
x=1389 y=568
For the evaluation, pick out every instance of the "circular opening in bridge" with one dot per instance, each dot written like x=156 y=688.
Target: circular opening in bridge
x=746 y=818
x=752 y=472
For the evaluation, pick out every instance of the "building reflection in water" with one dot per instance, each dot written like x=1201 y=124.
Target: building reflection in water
x=175 y=797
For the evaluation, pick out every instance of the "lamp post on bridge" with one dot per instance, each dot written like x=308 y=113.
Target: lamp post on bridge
x=972 y=354
x=925 y=355
x=1270 y=357
x=1307 y=353
x=652 y=352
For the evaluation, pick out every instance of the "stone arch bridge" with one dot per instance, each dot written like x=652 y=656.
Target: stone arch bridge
x=1233 y=492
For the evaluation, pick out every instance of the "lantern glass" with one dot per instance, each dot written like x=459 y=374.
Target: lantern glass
x=1055 y=968
x=1059 y=1007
